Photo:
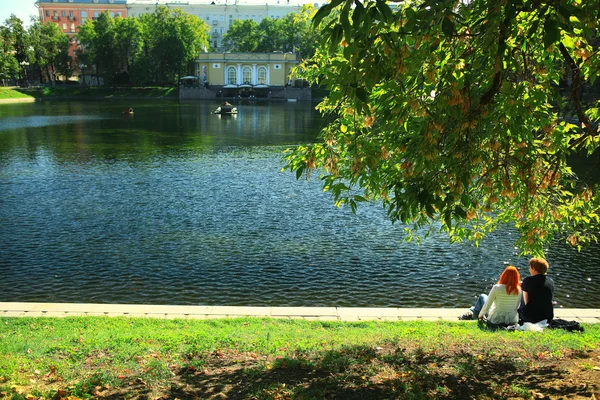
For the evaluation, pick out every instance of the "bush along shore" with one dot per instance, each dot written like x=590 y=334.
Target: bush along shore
x=251 y=358
x=88 y=92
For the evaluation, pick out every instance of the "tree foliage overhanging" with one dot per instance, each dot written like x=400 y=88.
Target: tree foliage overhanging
x=461 y=115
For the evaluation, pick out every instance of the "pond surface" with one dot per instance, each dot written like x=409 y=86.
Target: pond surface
x=175 y=205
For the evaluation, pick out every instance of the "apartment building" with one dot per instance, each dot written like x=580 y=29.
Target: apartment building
x=70 y=14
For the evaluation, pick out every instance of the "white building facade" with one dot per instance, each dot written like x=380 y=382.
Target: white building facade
x=220 y=14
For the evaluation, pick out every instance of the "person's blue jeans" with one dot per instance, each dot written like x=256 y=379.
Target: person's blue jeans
x=479 y=305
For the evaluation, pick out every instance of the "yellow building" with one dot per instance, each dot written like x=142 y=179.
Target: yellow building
x=239 y=70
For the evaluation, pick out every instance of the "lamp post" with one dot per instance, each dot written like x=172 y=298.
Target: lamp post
x=24 y=65
x=82 y=67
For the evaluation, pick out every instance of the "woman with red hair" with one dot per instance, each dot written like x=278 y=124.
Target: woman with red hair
x=502 y=304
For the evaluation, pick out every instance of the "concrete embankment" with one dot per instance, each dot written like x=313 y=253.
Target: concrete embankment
x=18 y=100
x=13 y=309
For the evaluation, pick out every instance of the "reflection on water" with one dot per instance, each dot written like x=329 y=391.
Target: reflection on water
x=176 y=205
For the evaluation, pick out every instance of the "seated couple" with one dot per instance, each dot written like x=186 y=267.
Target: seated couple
x=510 y=302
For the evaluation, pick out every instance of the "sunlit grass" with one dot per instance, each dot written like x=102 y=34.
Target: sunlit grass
x=39 y=356
x=7 y=93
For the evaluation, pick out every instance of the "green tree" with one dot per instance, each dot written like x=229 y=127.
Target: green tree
x=104 y=45
x=242 y=36
x=86 y=53
x=9 y=66
x=450 y=114
x=50 y=49
x=173 y=39
x=270 y=33
x=128 y=42
x=19 y=38
x=307 y=39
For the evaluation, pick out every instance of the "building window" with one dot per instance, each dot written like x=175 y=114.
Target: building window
x=72 y=27
x=222 y=18
x=64 y=27
x=262 y=75
x=84 y=14
x=208 y=17
x=215 y=44
x=95 y=14
x=119 y=14
x=247 y=75
x=112 y=14
x=231 y=74
x=47 y=13
x=63 y=13
x=254 y=17
x=222 y=30
x=71 y=14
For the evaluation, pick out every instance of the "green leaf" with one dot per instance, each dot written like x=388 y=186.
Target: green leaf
x=299 y=172
x=551 y=32
x=447 y=27
x=448 y=220
x=568 y=42
x=385 y=11
x=358 y=14
x=322 y=13
x=460 y=212
x=362 y=94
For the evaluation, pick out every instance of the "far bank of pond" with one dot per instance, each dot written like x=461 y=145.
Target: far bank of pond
x=176 y=205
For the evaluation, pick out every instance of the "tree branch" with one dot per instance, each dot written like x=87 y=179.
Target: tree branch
x=575 y=86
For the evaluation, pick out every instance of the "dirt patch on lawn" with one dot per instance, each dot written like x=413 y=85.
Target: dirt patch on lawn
x=384 y=372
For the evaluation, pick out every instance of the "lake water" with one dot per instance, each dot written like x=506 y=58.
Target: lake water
x=175 y=205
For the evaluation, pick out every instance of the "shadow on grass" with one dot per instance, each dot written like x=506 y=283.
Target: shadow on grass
x=368 y=373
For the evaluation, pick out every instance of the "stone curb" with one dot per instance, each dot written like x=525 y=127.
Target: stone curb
x=10 y=309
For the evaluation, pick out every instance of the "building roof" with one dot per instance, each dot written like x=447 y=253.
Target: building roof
x=81 y=2
x=175 y=3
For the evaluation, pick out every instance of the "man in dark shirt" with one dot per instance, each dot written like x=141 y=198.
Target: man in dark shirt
x=537 y=293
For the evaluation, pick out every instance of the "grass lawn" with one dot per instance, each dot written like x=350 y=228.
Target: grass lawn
x=95 y=92
x=248 y=358
x=9 y=93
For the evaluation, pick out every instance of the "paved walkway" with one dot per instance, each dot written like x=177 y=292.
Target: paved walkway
x=588 y=315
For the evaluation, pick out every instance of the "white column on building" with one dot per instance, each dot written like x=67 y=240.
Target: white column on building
x=269 y=74
x=239 y=74
x=254 y=75
x=225 y=73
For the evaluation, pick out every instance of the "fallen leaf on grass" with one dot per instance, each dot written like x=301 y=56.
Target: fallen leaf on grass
x=538 y=395
x=52 y=371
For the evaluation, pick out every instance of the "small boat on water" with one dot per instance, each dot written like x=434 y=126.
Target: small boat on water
x=226 y=109
x=128 y=111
